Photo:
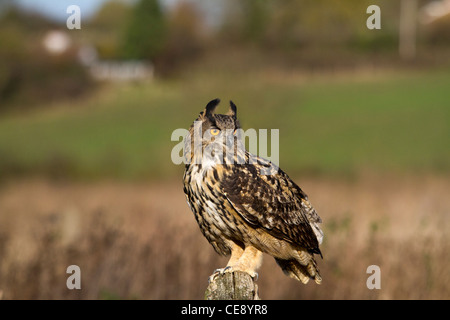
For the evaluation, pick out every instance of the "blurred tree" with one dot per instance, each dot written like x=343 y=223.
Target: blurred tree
x=12 y=53
x=286 y=29
x=438 y=31
x=317 y=21
x=186 y=26
x=185 y=37
x=146 y=33
x=246 y=20
x=29 y=75
x=5 y=5
x=107 y=27
x=256 y=18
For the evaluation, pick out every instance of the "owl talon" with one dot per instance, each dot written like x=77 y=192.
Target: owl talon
x=232 y=269
x=220 y=270
x=215 y=274
x=227 y=269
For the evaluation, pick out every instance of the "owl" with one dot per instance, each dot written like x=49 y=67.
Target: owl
x=244 y=204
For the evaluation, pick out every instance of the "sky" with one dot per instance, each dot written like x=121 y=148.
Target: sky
x=56 y=9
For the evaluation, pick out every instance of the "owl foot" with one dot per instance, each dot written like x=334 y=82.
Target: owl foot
x=216 y=272
x=231 y=269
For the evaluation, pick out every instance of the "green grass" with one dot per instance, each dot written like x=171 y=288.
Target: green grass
x=390 y=124
x=393 y=122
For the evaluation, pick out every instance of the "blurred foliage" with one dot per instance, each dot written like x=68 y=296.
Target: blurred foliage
x=29 y=75
x=168 y=39
x=186 y=39
x=256 y=14
x=145 y=35
x=291 y=34
x=288 y=24
x=107 y=29
x=438 y=32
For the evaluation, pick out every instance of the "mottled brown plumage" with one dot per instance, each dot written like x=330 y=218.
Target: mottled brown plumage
x=244 y=204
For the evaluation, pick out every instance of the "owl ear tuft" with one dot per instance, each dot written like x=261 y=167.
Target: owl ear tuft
x=210 y=107
x=233 y=110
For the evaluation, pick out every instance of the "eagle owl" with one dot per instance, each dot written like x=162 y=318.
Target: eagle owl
x=244 y=204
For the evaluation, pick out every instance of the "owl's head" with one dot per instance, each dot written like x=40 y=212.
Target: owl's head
x=218 y=124
x=214 y=132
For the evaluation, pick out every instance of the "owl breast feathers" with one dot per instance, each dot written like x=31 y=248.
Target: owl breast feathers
x=245 y=205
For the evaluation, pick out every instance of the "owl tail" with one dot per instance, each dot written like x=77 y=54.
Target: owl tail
x=303 y=271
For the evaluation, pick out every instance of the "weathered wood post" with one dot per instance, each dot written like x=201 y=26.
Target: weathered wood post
x=232 y=286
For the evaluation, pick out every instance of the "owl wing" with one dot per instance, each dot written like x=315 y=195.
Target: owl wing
x=273 y=202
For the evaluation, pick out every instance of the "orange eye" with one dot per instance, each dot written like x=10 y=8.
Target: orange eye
x=214 y=132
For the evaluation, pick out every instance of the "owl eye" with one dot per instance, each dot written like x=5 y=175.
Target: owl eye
x=214 y=132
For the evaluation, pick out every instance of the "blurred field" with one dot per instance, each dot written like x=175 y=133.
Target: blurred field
x=329 y=123
x=140 y=241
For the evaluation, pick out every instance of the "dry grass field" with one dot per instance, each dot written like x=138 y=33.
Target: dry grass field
x=140 y=241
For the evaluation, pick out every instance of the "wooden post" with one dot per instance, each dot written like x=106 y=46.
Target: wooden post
x=232 y=286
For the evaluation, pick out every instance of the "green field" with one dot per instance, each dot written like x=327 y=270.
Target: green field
x=393 y=121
